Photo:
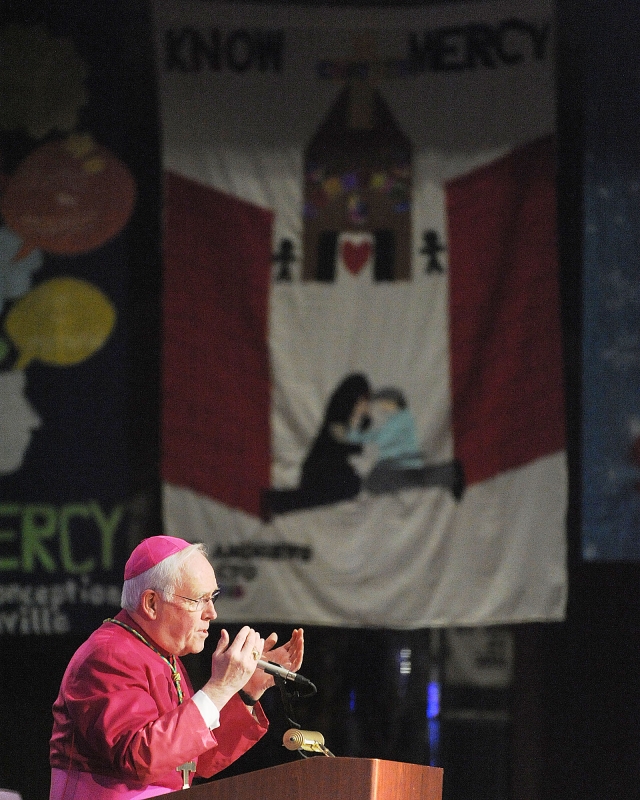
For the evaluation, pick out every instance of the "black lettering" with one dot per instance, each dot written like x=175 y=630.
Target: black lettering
x=419 y=53
x=203 y=52
x=227 y=572
x=481 y=45
x=440 y=51
x=540 y=37
x=454 y=49
x=448 y=51
x=515 y=29
x=249 y=572
x=269 y=46
x=275 y=552
x=188 y=50
x=173 y=52
x=239 y=50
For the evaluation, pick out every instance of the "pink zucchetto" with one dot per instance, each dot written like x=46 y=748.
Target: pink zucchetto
x=151 y=552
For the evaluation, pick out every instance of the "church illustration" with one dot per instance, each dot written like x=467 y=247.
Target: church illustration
x=357 y=191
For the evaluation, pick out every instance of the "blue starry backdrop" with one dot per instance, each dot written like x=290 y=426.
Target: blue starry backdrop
x=611 y=285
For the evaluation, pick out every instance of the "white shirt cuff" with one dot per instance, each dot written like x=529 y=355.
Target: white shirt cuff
x=208 y=709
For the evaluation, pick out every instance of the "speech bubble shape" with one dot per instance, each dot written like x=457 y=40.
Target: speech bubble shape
x=68 y=196
x=17 y=421
x=15 y=275
x=62 y=322
x=42 y=81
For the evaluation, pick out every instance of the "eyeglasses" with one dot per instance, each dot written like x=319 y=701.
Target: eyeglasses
x=201 y=602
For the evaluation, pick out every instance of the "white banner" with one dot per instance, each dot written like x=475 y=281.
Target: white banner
x=363 y=411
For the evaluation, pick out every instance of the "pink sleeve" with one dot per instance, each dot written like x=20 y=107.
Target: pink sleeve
x=238 y=732
x=126 y=720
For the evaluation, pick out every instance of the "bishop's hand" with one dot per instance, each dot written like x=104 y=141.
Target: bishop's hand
x=288 y=655
x=233 y=664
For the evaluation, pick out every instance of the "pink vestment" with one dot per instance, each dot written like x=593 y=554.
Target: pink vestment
x=119 y=731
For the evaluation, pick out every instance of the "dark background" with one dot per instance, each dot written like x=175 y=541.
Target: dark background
x=568 y=726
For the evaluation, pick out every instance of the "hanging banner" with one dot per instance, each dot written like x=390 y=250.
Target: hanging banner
x=610 y=291
x=68 y=192
x=363 y=413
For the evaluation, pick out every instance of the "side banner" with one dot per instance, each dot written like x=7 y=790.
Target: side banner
x=611 y=290
x=68 y=195
x=363 y=410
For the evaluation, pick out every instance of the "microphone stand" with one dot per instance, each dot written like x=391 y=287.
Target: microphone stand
x=287 y=696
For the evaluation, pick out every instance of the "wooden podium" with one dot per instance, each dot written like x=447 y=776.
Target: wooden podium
x=321 y=778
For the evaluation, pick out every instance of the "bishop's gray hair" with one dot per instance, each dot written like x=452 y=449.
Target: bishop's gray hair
x=163 y=578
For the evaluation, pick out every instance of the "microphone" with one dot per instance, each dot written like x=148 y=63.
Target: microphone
x=295 y=739
x=282 y=672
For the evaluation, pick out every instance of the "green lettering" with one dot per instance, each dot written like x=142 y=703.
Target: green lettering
x=9 y=510
x=66 y=515
x=38 y=524
x=108 y=526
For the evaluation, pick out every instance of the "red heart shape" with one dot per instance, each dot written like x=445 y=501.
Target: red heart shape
x=355 y=256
